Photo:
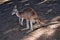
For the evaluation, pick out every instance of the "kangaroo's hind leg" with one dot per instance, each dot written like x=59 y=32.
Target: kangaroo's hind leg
x=27 y=25
x=31 y=26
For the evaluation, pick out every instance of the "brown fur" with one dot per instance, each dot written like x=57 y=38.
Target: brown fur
x=29 y=14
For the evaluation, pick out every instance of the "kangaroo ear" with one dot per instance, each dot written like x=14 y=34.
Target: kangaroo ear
x=14 y=10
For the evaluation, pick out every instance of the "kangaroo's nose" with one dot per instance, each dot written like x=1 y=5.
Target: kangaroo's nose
x=13 y=13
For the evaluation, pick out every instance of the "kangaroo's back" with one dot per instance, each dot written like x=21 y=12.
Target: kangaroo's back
x=29 y=12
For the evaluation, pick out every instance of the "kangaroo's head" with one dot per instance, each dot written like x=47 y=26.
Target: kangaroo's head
x=15 y=11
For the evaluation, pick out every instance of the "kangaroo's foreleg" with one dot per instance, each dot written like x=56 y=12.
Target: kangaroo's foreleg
x=27 y=24
x=19 y=20
x=22 y=21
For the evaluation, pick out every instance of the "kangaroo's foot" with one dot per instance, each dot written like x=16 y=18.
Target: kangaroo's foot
x=29 y=31
x=24 y=29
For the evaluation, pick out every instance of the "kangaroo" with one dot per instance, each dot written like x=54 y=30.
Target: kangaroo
x=30 y=15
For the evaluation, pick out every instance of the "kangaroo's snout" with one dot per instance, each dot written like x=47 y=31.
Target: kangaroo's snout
x=15 y=10
x=13 y=13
